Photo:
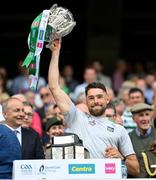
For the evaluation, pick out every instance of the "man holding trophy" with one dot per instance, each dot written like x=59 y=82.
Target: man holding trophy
x=103 y=138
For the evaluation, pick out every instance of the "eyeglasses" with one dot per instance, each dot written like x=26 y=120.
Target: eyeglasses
x=28 y=115
x=44 y=95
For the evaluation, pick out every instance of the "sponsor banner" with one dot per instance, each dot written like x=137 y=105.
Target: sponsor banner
x=81 y=168
x=23 y=169
x=67 y=169
x=110 y=168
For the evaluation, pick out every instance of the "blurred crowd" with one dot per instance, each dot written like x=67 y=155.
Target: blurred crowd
x=122 y=85
x=126 y=87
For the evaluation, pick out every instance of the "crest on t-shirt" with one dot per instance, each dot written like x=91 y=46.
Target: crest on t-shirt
x=110 y=129
x=92 y=123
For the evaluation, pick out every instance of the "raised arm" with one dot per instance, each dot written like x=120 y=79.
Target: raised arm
x=62 y=99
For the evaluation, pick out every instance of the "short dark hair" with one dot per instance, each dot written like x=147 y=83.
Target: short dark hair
x=111 y=105
x=95 y=85
x=26 y=103
x=116 y=101
x=134 y=90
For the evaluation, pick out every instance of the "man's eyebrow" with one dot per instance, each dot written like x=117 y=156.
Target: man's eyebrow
x=96 y=95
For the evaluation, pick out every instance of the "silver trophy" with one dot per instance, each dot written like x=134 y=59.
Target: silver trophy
x=60 y=23
x=68 y=146
x=47 y=26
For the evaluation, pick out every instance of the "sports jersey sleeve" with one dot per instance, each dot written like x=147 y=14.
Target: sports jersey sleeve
x=77 y=121
x=75 y=117
x=125 y=144
x=70 y=115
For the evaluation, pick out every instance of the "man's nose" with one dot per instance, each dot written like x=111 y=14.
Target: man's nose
x=95 y=100
x=22 y=113
x=26 y=116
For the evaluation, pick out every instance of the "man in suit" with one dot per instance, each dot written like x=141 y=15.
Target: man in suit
x=14 y=113
x=10 y=150
x=30 y=149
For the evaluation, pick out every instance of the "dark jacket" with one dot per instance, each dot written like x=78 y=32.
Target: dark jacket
x=31 y=145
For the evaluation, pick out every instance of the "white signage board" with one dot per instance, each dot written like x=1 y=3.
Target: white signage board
x=67 y=169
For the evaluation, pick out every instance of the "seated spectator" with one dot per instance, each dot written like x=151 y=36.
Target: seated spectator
x=55 y=127
x=32 y=120
x=149 y=93
x=118 y=76
x=89 y=76
x=101 y=77
x=110 y=112
x=21 y=82
x=47 y=100
x=31 y=96
x=68 y=74
x=53 y=111
x=81 y=103
x=110 y=93
x=3 y=92
x=50 y=111
x=135 y=96
x=63 y=85
x=143 y=139
x=119 y=105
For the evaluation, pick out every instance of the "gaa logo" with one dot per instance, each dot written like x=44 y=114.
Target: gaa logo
x=26 y=166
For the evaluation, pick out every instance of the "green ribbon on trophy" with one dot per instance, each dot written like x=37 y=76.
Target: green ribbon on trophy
x=35 y=43
x=47 y=26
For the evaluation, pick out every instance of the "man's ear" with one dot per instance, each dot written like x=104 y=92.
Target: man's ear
x=4 y=115
x=107 y=100
x=133 y=117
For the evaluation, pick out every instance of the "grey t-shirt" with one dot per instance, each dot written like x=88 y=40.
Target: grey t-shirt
x=98 y=133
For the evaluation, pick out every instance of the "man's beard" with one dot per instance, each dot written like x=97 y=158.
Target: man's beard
x=96 y=112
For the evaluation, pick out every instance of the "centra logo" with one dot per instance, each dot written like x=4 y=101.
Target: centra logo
x=26 y=166
x=81 y=168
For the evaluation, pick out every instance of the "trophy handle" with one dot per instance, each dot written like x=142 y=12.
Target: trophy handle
x=145 y=159
x=54 y=6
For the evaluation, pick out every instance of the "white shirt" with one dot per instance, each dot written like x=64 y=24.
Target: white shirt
x=1 y=115
x=98 y=133
x=18 y=134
